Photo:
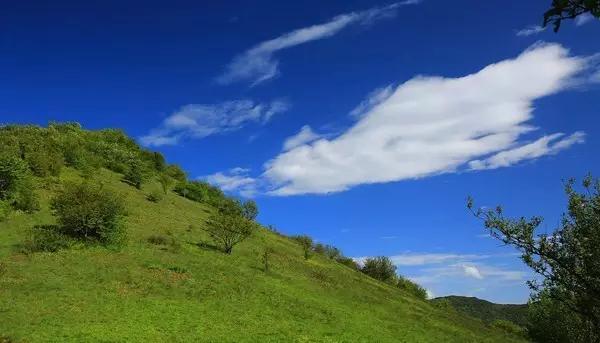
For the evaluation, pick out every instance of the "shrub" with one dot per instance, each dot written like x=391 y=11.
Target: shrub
x=16 y=184
x=508 y=326
x=89 y=213
x=48 y=238
x=45 y=161
x=306 y=243
x=380 y=268
x=229 y=230
x=155 y=197
x=412 y=288
x=250 y=210
x=135 y=173
x=347 y=261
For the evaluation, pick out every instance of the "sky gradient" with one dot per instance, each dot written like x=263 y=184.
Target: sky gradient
x=365 y=124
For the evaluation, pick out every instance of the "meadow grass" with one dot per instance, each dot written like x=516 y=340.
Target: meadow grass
x=179 y=288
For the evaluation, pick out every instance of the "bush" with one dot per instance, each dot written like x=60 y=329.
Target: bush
x=380 y=268
x=508 y=326
x=89 y=213
x=48 y=238
x=135 y=174
x=45 y=161
x=16 y=184
x=5 y=210
x=306 y=243
x=229 y=230
x=266 y=258
x=175 y=172
x=412 y=288
x=155 y=197
x=347 y=261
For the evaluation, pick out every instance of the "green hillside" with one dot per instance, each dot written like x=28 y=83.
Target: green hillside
x=487 y=311
x=168 y=283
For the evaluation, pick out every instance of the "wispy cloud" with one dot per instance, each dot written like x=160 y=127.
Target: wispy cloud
x=201 y=120
x=547 y=145
x=583 y=19
x=306 y=135
x=258 y=64
x=530 y=31
x=236 y=180
x=432 y=125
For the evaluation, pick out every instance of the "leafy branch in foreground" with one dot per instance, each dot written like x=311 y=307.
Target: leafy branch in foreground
x=568 y=260
x=570 y=9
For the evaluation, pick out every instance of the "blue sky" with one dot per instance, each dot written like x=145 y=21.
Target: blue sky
x=364 y=124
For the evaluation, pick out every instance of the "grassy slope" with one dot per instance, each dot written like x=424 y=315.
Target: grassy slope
x=487 y=311
x=96 y=294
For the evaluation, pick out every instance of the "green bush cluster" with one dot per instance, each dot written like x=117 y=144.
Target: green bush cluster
x=89 y=213
x=47 y=150
x=16 y=186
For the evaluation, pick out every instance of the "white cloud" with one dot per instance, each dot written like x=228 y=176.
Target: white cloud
x=547 y=145
x=199 y=120
x=530 y=30
x=472 y=271
x=413 y=259
x=236 y=180
x=583 y=19
x=258 y=64
x=306 y=135
x=432 y=125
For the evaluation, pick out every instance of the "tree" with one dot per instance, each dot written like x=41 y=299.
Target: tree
x=250 y=209
x=135 y=173
x=570 y=9
x=88 y=212
x=568 y=260
x=411 y=287
x=306 y=243
x=380 y=268
x=229 y=230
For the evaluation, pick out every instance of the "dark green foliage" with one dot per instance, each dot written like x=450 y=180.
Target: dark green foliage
x=47 y=238
x=45 y=161
x=199 y=191
x=229 y=230
x=411 y=287
x=306 y=242
x=250 y=209
x=347 y=261
x=90 y=213
x=16 y=185
x=230 y=207
x=568 y=259
x=380 y=268
x=155 y=159
x=552 y=321
x=570 y=9
x=485 y=310
x=135 y=173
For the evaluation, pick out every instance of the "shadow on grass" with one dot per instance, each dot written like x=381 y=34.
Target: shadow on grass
x=206 y=246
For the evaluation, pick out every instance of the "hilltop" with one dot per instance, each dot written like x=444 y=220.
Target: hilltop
x=487 y=311
x=167 y=281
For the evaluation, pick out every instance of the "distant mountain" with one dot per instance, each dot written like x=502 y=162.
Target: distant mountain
x=487 y=311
